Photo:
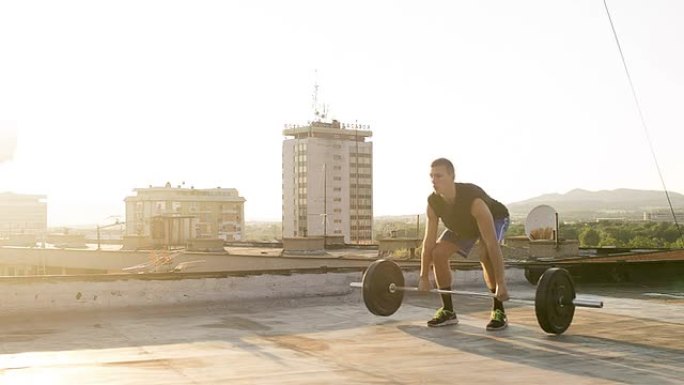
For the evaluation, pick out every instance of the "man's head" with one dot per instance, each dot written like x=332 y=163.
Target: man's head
x=444 y=162
x=442 y=175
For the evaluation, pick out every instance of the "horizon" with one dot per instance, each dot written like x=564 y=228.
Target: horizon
x=279 y=220
x=521 y=100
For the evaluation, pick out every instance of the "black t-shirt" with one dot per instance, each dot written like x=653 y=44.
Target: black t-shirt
x=457 y=217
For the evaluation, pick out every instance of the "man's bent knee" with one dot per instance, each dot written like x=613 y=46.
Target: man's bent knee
x=442 y=253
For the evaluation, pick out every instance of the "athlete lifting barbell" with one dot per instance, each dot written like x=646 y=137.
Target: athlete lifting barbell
x=470 y=216
x=554 y=302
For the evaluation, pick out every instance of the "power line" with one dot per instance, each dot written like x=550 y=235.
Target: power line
x=643 y=121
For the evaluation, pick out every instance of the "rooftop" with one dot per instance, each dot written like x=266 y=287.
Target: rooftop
x=314 y=329
x=334 y=129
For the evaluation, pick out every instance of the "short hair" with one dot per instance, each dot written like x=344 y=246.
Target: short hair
x=446 y=163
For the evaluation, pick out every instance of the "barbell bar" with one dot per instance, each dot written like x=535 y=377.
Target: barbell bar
x=578 y=302
x=555 y=301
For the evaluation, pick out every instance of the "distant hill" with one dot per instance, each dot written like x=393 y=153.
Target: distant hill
x=604 y=201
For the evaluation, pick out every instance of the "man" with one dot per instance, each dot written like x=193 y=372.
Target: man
x=469 y=215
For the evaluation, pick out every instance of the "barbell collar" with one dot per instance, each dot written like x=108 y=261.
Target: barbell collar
x=587 y=302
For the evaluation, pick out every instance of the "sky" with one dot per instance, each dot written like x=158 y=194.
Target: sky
x=525 y=97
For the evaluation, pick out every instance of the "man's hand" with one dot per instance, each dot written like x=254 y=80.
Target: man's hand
x=501 y=293
x=424 y=284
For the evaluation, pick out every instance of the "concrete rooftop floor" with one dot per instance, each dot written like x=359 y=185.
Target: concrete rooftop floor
x=635 y=338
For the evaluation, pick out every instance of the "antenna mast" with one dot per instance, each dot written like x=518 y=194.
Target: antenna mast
x=314 y=104
x=320 y=112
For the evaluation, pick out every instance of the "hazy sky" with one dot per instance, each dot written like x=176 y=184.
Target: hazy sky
x=526 y=97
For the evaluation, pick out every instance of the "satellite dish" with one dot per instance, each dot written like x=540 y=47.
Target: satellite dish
x=541 y=223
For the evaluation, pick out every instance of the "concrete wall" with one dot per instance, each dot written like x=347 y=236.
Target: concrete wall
x=387 y=245
x=549 y=249
x=289 y=193
x=114 y=261
x=107 y=292
x=104 y=292
x=303 y=244
x=213 y=245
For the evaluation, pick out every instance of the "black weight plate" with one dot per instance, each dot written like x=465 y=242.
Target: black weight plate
x=376 y=287
x=555 y=286
x=533 y=274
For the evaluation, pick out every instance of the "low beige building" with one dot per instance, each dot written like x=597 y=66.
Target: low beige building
x=179 y=216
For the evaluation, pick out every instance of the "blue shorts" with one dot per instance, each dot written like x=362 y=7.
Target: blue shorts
x=466 y=244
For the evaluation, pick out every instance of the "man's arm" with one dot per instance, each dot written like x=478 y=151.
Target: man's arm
x=485 y=223
x=429 y=242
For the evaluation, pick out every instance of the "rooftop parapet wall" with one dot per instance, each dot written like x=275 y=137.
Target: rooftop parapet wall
x=551 y=249
x=68 y=293
x=349 y=132
x=111 y=292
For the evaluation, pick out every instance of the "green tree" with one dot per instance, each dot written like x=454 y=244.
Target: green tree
x=620 y=232
x=642 y=241
x=589 y=237
x=569 y=232
x=669 y=232
x=515 y=229
x=608 y=241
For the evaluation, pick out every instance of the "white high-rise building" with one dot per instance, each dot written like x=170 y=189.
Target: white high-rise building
x=328 y=181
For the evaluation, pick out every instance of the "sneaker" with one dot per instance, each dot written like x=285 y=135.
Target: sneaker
x=498 y=321
x=443 y=317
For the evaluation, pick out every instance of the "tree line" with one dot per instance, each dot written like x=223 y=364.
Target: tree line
x=629 y=234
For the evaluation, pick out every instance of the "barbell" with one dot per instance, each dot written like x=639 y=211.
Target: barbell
x=554 y=302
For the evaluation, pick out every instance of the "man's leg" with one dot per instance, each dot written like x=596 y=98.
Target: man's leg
x=498 y=319
x=442 y=269
x=440 y=260
x=489 y=276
